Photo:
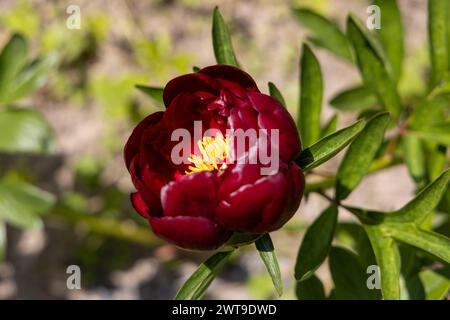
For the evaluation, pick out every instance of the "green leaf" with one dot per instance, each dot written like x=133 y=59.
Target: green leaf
x=21 y=203
x=24 y=131
x=328 y=147
x=310 y=289
x=223 y=48
x=29 y=78
x=349 y=276
x=362 y=151
x=388 y=260
x=267 y=253
x=418 y=208
x=391 y=34
x=195 y=69
x=429 y=285
x=437 y=133
x=311 y=91
x=414 y=158
x=326 y=33
x=276 y=94
x=437 y=33
x=434 y=243
x=354 y=99
x=316 y=244
x=373 y=66
x=330 y=127
x=436 y=285
x=155 y=93
x=199 y=281
x=12 y=59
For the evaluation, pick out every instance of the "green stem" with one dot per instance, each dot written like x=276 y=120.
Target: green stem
x=128 y=231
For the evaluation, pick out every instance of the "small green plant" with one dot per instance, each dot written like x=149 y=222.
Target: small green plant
x=410 y=245
x=23 y=130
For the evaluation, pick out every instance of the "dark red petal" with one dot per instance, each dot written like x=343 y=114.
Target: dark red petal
x=230 y=73
x=134 y=141
x=272 y=115
x=139 y=205
x=196 y=233
x=148 y=187
x=260 y=206
x=191 y=83
x=193 y=195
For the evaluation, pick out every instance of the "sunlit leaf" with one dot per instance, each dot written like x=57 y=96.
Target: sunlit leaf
x=21 y=203
x=316 y=244
x=328 y=147
x=354 y=99
x=267 y=254
x=437 y=133
x=155 y=93
x=199 y=281
x=418 y=208
x=329 y=127
x=391 y=34
x=435 y=244
x=437 y=32
x=374 y=66
x=223 y=48
x=326 y=34
x=24 y=131
x=414 y=158
x=388 y=260
x=12 y=59
x=311 y=91
x=362 y=151
x=276 y=93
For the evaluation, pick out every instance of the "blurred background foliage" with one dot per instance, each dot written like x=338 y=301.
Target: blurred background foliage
x=64 y=192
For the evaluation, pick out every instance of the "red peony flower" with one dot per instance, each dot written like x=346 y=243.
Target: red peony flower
x=199 y=203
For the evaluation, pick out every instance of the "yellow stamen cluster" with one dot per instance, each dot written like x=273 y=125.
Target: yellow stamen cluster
x=213 y=152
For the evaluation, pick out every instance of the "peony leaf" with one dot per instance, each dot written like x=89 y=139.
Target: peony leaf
x=328 y=147
x=391 y=34
x=374 y=66
x=12 y=59
x=21 y=203
x=349 y=276
x=276 y=94
x=437 y=32
x=439 y=133
x=326 y=34
x=434 y=243
x=417 y=209
x=155 y=93
x=329 y=127
x=199 y=281
x=310 y=289
x=24 y=131
x=316 y=244
x=267 y=254
x=223 y=48
x=362 y=151
x=354 y=99
x=388 y=260
x=414 y=158
x=311 y=91
x=429 y=285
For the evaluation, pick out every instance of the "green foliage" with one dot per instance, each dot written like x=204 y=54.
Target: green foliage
x=266 y=250
x=197 y=284
x=311 y=89
x=223 y=48
x=316 y=244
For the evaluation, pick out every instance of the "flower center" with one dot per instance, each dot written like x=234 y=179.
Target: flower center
x=213 y=153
